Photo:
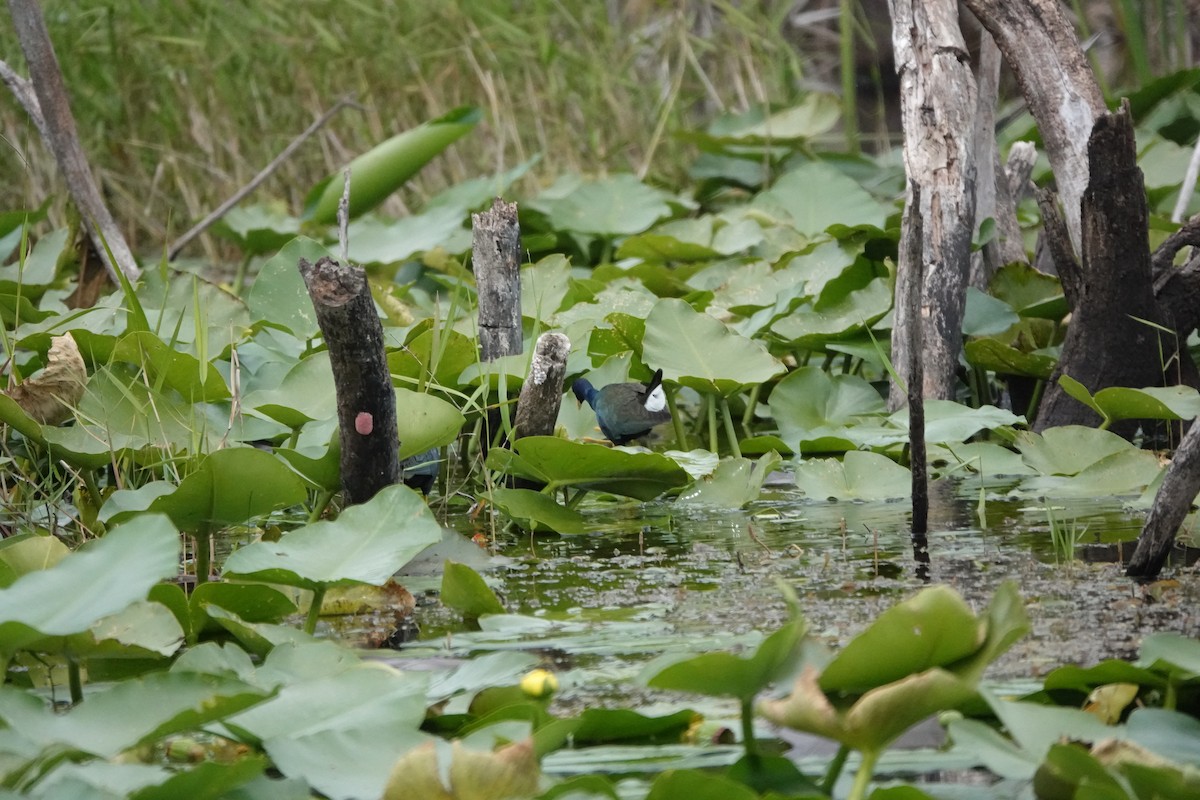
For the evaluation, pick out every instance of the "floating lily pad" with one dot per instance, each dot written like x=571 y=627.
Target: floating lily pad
x=1030 y=292
x=559 y=462
x=811 y=328
x=736 y=482
x=860 y=475
x=465 y=592
x=810 y=405
x=1068 y=449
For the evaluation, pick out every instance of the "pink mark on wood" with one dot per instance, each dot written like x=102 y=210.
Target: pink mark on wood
x=364 y=423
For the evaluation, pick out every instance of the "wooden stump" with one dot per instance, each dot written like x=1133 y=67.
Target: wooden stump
x=366 y=401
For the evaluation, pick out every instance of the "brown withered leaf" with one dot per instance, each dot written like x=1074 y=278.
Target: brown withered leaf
x=50 y=396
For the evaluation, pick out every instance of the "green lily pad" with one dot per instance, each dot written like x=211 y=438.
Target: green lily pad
x=1068 y=449
x=427 y=356
x=934 y=628
x=538 y=512
x=735 y=483
x=860 y=475
x=1030 y=292
x=559 y=462
x=1003 y=359
x=465 y=592
x=810 y=404
x=366 y=544
x=729 y=675
x=697 y=350
x=840 y=201
x=230 y=487
x=811 y=328
x=380 y=241
x=425 y=421
x=1120 y=402
x=306 y=393
x=1125 y=472
x=612 y=206
x=258 y=229
x=95 y=582
x=131 y=712
x=986 y=315
x=279 y=296
x=29 y=552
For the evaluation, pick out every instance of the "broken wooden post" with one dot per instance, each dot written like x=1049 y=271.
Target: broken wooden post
x=541 y=395
x=366 y=401
x=496 y=255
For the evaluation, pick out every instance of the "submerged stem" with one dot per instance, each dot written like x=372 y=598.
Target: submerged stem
x=203 y=554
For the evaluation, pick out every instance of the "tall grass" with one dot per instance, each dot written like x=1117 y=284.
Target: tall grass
x=180 y=103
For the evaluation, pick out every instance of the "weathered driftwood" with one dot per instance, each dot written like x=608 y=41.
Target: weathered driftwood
x=496 y=255
x=937 y=98
x=989 y=182
x=1040 y=47
x=1112 y=340
x=541 y=395
x=63 y=139
x=366 y=401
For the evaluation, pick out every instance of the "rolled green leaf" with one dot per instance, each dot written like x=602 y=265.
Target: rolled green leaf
x=383 y=169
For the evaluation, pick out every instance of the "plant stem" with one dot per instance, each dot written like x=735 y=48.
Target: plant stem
x=323 y=498
x=74 y=681
x=676 y=422
x=730 y=433
x=751 y=406
x=203 y=554
x=862 y=778
x=314 y=610
x=748 y=740
x=711 y=408
x=849 y=93
x=835 y=770
x=574 y=501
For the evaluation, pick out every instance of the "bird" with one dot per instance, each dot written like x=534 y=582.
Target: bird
x=420 y=471
x=625 y=411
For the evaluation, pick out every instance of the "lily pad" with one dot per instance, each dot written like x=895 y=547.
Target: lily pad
x=810 y=404
x=992 y=354
x=735 y=483
x=697 y=350
x=1068 y=449
x=95 y=582
x=279 y=296
x=366 y=544
x=840 y=200
x=860 y=475
x=1120 y=402
x=611 y=206
x=538 y=512
x=559 y=462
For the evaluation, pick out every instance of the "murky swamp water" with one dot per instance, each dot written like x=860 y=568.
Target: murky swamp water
x=651 y=578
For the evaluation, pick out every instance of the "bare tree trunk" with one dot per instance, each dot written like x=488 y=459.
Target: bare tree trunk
x=1060 y=89
x=937 y=96
x=1109 y=342
x=1170 y=508
x=59 y=127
